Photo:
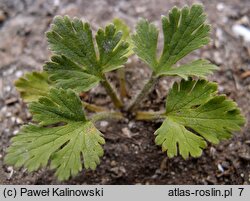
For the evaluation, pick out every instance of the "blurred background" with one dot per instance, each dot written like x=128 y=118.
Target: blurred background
x=130 y=154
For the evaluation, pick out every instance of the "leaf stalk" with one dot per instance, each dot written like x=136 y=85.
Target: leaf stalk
x=106 y=115
x=122 y=80
x=113 y=95
x=143 y=115
x=143 y=93
x=93 y=107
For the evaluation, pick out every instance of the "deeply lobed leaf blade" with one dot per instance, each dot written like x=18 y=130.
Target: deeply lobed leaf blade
x=171 y=134
x=199 y=68
x=145 y=42
x=124 y=28
x=66 y=138
x=194 y=109
x=68 y=75
x=73 y=38
x=58 y=106
x=78 y=65
x=33 y=85
x=112 y=50
x=184 y=30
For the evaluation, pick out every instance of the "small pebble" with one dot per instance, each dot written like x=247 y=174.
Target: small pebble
x=217 y=58
x=220 y=6
x=19 y=121
x=131 y=124
x=220 y=168
x=8 y=72
x=241 y=31
x=129 y=61
x=118 y=171
x=18 y=74
x=154 y=176
x=13 y=119
x=7 y=88
x=244 y=20
x=56 y=3
x=219 y=33
x=11 y=171
x=245 y=156
x=141 y=9
x=104 y=123
x=142 y=71
x=8 y=114
x=126 y=132
x=15 y=132
x=113 y=163
x=221 y=89
x=212 y=151
x=225 y=164
x=4 y=109
x=11 y=101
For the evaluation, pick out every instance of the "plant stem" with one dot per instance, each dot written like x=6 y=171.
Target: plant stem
x=121 y=76
x=117 y=102
x=106 y=115
x=145 y=91
x=93 y=107
x=141 y=115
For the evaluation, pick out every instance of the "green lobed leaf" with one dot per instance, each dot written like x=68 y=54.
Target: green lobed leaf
x=66 y=74
x=184 y=30
x=112 y=50
x=62 y=136
x=33 y=85
x=195 y=113
x=72 y=40
x=124 y=28
x=145 y=42
x=199 y=68
x=172 y=133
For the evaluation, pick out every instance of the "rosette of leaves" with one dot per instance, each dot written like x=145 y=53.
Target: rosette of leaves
x=62 y=136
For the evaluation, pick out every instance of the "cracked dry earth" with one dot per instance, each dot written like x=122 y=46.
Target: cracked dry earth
x=131 y=156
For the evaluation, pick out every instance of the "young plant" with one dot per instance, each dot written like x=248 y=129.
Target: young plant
x=61 y=134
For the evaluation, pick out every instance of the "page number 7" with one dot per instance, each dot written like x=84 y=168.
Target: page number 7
x=241 y=190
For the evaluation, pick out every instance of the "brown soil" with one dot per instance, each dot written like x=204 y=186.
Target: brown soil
x=131 y=157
